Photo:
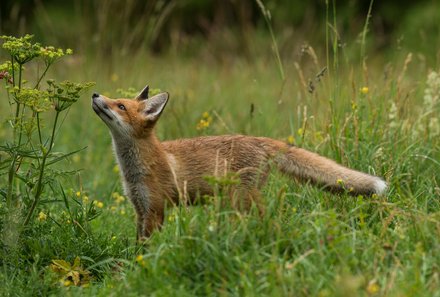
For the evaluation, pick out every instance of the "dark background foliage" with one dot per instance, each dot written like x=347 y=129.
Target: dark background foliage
x=161 y=25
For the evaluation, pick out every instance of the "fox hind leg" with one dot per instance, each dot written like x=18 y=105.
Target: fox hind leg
x=152 y=221
x=243 y=198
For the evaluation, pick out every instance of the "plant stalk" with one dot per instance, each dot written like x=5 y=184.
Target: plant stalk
x=39 y=189
x=37 y=85
x=11 y=173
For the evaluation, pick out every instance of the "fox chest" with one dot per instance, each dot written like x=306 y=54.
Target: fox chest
x=133 y=174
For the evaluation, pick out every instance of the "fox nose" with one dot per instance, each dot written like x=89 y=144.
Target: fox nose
x=95 y=95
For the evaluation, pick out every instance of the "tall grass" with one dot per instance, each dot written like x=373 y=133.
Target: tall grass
x=308 y=242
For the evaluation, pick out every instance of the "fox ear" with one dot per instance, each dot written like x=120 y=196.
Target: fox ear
x=143 y=94
x=155 y=105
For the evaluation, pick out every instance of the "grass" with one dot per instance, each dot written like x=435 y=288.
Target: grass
x=375 y=117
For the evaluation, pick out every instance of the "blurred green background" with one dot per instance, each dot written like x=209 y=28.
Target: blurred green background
x=217 y=26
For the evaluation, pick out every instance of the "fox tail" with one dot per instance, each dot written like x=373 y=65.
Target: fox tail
x=305 y=165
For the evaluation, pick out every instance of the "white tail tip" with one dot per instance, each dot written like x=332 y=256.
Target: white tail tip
x=380 y=186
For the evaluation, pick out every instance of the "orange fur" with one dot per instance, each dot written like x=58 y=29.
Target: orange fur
x=155 y=172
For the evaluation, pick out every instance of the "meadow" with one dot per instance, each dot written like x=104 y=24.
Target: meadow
x=378 y=113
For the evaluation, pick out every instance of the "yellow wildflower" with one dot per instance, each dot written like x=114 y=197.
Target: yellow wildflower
x=119 y=198
x=364 y=90
x=204 y=122
x=372 y=288
x=353 y=105
x=78 y=194
x=116 y=169
x=290 y=139
x=318 y=136
x=85 y=199
x=42 y=216
x=67 y=283
x=140 y=260
x=98 y=204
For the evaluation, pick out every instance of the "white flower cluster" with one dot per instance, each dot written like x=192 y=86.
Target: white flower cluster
x=432 y=91
x=431 y=101
x=393 y=116
x=428 y=124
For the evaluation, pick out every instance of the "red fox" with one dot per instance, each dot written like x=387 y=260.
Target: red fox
x=155 y=172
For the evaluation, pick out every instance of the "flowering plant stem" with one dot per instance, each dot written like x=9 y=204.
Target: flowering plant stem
x=12 y=168
x=30 y=153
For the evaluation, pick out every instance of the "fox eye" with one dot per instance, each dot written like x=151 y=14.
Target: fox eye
x=121 y=106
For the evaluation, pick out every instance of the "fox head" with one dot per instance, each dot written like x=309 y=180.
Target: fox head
x=128 y=117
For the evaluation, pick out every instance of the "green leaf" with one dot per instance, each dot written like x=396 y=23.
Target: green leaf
x=60 y=265
x=64 y=156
